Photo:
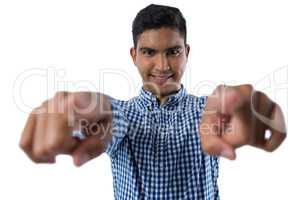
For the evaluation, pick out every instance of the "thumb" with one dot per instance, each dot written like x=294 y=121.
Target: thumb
x=89 y=148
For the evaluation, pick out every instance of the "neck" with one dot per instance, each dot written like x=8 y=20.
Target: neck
x=162 y=99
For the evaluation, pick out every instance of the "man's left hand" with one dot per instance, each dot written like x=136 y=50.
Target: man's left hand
x=235 y=116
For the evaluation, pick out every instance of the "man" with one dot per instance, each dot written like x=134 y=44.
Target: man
x=165 y=143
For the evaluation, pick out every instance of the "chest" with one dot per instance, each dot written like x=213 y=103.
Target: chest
x=163 y=136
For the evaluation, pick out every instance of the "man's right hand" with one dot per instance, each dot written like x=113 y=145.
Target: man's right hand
x=48 y=131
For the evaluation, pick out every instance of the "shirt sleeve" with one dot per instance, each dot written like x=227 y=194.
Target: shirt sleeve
x=213 y=160
x=119 y=126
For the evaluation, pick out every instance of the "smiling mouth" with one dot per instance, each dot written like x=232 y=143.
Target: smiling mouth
x=160 y=79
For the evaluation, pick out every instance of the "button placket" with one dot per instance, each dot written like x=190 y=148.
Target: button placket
x=155 y=134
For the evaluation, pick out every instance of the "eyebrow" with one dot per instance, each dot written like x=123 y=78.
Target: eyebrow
x=168 y=49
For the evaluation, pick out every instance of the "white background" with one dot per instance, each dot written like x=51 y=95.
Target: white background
x=231 y=41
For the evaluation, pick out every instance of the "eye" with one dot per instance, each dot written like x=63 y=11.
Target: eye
x=174 y=52
x=148 y=52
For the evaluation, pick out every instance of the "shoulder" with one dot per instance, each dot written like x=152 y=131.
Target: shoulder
x=123 y=105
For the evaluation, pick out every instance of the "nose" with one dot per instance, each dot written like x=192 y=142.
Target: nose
x=161 y=62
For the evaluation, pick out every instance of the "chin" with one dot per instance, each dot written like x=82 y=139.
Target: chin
x=164 y=89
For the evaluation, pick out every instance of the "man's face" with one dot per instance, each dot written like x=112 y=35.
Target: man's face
x=161 y=57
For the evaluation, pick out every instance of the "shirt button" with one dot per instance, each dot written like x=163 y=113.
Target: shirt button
x=149 y=108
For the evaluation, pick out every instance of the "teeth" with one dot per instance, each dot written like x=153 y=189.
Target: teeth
x=160 y=79
x=162 y=76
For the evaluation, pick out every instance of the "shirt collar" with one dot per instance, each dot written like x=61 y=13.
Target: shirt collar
x=149 y=100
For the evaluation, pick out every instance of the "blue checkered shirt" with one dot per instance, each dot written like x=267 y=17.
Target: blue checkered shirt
x=155 y=150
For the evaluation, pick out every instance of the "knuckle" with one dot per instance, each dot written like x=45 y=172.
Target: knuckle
x=219 y=88
x=24 y=145
x=38 y=110
x=38 y=154
x=248 y=87
x=247 y=92
x=61 y=94
x=45 y=103
x=60 y=101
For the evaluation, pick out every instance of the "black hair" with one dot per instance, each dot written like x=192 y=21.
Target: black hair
x=155 y=17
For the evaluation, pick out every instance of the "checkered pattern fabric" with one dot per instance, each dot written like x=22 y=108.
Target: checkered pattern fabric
x=155 y=150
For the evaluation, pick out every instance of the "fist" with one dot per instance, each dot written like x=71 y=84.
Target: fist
x=237 y=116
x=48 y=131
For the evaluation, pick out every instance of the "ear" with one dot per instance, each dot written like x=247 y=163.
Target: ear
x=133 y=54
x=187 y=50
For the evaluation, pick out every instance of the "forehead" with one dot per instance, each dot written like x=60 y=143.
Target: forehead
x=160 y=38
